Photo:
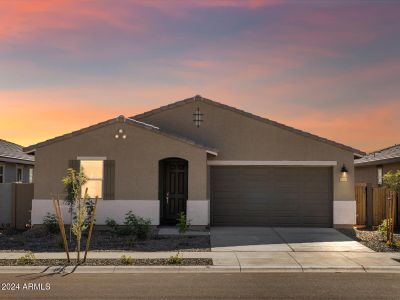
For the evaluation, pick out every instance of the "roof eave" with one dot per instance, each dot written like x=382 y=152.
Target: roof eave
x=377 y=162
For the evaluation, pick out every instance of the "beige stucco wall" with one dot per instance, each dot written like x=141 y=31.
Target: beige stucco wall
x=369 y=174
x=238 y=137
x=136 y=159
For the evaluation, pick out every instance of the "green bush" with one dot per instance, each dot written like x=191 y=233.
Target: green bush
x=175 y=259
x=133 y=225
x=183 y=224
x=111 y=224
x=27 y=259
x=137 y=226
x=383 y=227
x=51 y=224
x=126 y=260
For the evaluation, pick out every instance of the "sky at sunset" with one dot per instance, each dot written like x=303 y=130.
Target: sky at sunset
x=331 y=68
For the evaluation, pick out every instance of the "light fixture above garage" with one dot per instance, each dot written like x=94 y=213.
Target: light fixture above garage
x=344 y=174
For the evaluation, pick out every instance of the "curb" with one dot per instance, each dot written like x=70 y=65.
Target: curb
x=190 y=269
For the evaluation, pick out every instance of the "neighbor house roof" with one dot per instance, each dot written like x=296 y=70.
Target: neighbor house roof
x=386 y=155
x=120 y=119
x=12 y=152
x=250 y=115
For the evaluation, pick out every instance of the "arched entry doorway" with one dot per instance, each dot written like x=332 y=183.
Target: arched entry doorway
x=173 y=189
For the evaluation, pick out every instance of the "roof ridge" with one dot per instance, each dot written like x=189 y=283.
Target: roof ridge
x=383 y=149
x=248 y=114
x=120 y=118
x=8 y=142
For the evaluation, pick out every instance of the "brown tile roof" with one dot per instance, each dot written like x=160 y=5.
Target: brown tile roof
x=13 y=151
x=120 y=119
x=386 y=155
x=250 y=115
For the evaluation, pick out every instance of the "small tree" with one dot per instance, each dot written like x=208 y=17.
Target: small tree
x=391 y=181
x=73 y=187
x=79 y=223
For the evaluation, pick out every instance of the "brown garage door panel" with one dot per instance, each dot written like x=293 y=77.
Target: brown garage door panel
x=271 y=196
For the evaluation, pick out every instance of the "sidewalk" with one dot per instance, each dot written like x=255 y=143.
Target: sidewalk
x=229 y=262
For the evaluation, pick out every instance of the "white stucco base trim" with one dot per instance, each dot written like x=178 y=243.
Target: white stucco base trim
x=114 y=209
x=198 y=212
x=344 y=212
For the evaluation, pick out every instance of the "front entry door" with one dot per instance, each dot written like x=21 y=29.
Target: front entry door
x=175 y=189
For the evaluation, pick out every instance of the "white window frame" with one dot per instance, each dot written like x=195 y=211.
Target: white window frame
x=30 y=179
x=18 y=167
x=379 y=171
x=98 y=158
x=3 y=166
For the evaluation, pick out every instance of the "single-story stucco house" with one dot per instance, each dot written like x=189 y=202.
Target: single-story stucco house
x=371 y=167
x=15 y=165
x=219 y=164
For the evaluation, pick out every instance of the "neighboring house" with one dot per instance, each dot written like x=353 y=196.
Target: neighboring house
x=371 y=167
x=15 y=165
x=219 y=164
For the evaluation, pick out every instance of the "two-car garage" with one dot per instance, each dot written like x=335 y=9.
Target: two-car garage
x=271 y=196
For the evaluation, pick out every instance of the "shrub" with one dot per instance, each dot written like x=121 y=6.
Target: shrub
x=137 y=226
x=175 y=259
x=383 y=227
x=133 y=225
x=50 y=222
x=111 y=224
x=183 y=224
x=27 y=259
x=126 y=260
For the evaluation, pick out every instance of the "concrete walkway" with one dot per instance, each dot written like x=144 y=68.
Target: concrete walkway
x=241 y=261
x=282 y=239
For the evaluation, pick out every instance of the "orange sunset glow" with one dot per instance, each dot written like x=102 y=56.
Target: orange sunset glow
x=329 y=68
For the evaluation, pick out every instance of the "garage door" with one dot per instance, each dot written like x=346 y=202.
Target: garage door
x=271 y=196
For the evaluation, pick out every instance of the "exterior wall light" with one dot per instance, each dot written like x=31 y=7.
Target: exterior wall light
x=344 y=174
x=121 y=134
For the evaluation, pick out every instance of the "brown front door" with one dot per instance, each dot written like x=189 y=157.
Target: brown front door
x=174 y=182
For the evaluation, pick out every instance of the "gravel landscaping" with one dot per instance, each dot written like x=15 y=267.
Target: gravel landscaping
x=39 y=240
x=110 y=262
x=372 y=239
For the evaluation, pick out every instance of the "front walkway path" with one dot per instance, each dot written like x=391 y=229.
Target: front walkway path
x=241 y=261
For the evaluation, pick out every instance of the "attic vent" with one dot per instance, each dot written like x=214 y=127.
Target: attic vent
x=198 y=117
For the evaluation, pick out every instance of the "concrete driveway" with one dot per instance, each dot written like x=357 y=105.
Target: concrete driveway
x=274 y=239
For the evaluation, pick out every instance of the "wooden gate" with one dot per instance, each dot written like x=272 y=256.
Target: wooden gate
x=361 y=204
x=379 y=202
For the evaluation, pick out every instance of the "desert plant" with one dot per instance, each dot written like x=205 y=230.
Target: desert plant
x=383 y=227
x=391 y=181
x=126 y=260
x=183 y=223
x=73 y=183
x=112 y=224
x=78 y=225
x=133 y=225
x=27 y=259
x=51 y=223
x=137 y=226
x=175 y=259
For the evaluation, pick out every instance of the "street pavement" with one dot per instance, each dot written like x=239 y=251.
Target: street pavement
x=205 y=286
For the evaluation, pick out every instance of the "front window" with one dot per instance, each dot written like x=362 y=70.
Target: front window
x=380 y=175
x=2 y=173
x=93 y=170
x=19 y=174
